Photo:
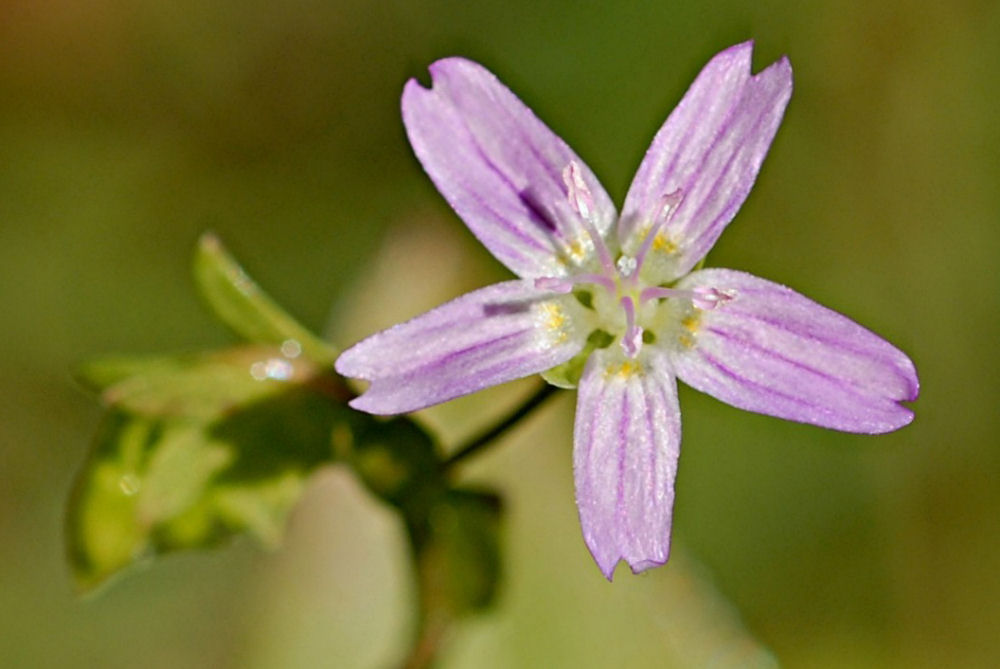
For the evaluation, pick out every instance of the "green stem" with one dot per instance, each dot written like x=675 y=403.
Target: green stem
x=423 y=653
x=482 y=440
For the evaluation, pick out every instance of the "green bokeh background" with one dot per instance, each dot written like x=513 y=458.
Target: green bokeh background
x=127 y=127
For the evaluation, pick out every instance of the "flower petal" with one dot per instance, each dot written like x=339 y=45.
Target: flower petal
x=500 y=168
x=495 y=334
x=771 y=350
x=709 y=150
x=626 y=443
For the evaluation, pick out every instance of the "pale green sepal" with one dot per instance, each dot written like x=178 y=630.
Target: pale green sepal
x=567 y=375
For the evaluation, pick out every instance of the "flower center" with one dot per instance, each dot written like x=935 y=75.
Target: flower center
x=625 y=304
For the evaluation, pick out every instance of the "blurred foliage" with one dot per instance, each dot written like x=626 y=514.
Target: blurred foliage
x=239 y=303
x=201 y=447
x=191 y=452
x=130 y=126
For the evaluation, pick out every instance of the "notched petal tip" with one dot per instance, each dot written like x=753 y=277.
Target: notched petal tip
x=906 y=416
x=710 y=148
x=781 y=72
x=608 y=565
x=437 y=67
x=736 y=51
x=411 y=88
x=353 y=364
x=626 y=445
x=741 y=56
x=640 y=566
x=364 y=403
x=776 y=352
x=499 y=167
x=913 y=380
x=343 y=368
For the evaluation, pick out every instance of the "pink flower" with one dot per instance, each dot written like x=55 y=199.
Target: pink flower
x=612 y=303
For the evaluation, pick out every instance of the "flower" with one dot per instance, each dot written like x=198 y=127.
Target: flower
x=613 y=303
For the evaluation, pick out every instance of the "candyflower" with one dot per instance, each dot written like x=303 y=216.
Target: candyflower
x=613 y=303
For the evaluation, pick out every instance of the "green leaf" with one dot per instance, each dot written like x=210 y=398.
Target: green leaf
x=152 y=485
x=201 y=385
x=465 y=531
x=458 y=554
x=398 y=461
x=246 y=309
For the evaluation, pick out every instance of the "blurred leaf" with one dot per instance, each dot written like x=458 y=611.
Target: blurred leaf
x=456 y=548
x=458 y=553
x=153 y=485
x=201 y=385
x=460 y=562
x=398 y=461
x=246 y=309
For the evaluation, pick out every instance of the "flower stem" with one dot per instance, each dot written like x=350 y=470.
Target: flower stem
x=425 y=647
x=482 y=440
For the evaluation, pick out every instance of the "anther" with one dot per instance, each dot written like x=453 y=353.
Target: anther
x=707 y=299
x=554 y=284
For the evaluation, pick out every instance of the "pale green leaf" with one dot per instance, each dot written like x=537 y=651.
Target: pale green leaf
x=241 y=304
x=153 y=485
x=202 y=385
x=458 y=553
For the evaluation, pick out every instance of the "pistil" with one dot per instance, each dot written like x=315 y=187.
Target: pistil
x=632 y=339
x=621 y=279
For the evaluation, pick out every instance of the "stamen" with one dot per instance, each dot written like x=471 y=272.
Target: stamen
x=555 y=284
x=632 y=339
x=705 y=299
x=565 y=284
x=656 y=293
x=582 y=202
x=580 y=197
x=668 y=205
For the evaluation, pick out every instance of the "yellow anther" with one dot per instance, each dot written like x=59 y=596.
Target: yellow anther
x=573 y=252
x=554 y=319
x=623 y=370
x=664 y=244
x=691 y=323
x=661 y=242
